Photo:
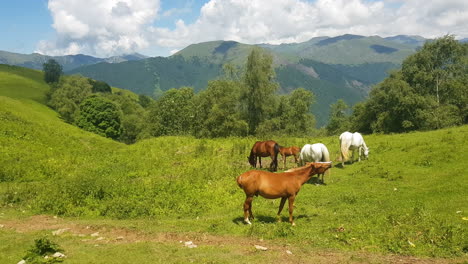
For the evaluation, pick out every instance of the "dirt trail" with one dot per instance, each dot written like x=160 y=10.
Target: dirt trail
x=100 y=234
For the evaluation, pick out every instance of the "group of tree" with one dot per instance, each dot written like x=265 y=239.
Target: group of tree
x=238 y=104
x=430 y=91
x=93 y=106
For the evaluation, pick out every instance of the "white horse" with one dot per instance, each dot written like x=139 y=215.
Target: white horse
x=352 y=141
x=317 y=152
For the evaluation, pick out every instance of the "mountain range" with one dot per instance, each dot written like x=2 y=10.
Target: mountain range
x=68 y=62
x=342 y=67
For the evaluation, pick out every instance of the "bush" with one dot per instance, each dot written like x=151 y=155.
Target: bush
x=100 y=116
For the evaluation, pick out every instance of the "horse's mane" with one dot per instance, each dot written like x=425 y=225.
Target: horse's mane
x=298 y=168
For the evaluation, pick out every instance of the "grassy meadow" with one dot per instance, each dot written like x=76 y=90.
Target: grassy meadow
x=408 y=199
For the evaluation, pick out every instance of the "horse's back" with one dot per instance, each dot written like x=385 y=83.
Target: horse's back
x=346 y=137
x=322 y=151
x=253 y=180
x=357 y=140
x=265 y=147
x=312 y=152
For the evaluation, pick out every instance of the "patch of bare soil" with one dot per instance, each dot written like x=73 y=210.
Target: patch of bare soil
x=288 y=254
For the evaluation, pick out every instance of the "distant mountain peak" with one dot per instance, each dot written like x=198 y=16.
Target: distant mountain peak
x=329 y=41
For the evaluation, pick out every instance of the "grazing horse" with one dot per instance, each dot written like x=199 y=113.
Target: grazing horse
x=314 y=153
x=291 y=151
x=283 y=185
x=352 y=141
x=264 y=149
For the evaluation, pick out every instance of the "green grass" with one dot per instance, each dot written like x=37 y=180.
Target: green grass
x=409 y=198
x=18 y=82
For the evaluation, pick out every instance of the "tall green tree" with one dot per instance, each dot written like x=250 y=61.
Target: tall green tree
x=173 y=113
x=339 y=118
x=258 y=95
x=429 y=92
x=66 y=96
x=52 y=71
x=217 y=111
x=292 y=116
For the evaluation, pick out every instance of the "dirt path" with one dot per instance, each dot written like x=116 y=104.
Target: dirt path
x=101 y=234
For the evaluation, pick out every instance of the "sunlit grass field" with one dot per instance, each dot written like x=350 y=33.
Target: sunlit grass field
x=408 y=198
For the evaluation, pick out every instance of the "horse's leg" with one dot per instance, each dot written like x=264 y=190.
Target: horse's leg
x=260 y=161
x=342 y=158
x=284 y=160
x=359 y=156
x=274 y=163
x=291 y=209
x=248 y=209
x=283 y=200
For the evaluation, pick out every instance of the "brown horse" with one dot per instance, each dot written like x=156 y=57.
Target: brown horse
x=264 y=149
x=283 y=185
x=291 y=151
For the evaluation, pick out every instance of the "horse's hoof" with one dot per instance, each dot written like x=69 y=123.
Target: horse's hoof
x=247 y=222
x=293 y=224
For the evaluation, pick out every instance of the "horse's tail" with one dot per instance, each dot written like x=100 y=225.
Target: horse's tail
x=344 y=149
x=277 y=150
x=239 y=181
x=325 y=154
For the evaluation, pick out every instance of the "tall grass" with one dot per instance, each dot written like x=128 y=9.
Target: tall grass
x=408 y=198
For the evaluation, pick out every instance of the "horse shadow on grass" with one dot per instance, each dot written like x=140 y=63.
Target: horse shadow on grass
x=316 y=181
x=270 y=219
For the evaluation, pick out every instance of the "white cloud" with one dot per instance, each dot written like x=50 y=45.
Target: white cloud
x=286 y=21
x=108 y=27
x=99 y=27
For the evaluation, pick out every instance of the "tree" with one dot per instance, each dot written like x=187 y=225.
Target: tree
x=173 y=113
x=217 y=111
x=297 y=118
x=429 y=92
x=258 y=95
x=101 y=116
x=440 y=71
x=100 y=86
x=66 y=96
x=439 y=63
x=52 y=71
x=144 y=100
x=133 y=115
x=339 y=119
x=292 y=116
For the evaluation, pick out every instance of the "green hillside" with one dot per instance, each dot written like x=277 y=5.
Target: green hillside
x=154 y=74
x=348 y=49
x=19 y=82
x=409 y=198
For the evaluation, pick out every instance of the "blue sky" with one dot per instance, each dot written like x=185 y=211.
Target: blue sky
x=162 y=27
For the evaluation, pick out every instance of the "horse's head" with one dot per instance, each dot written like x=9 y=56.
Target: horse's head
x=320 y=167
x=252 y=160
x=366 y=153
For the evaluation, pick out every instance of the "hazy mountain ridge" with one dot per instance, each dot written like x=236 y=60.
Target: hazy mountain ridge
x=68 y=62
